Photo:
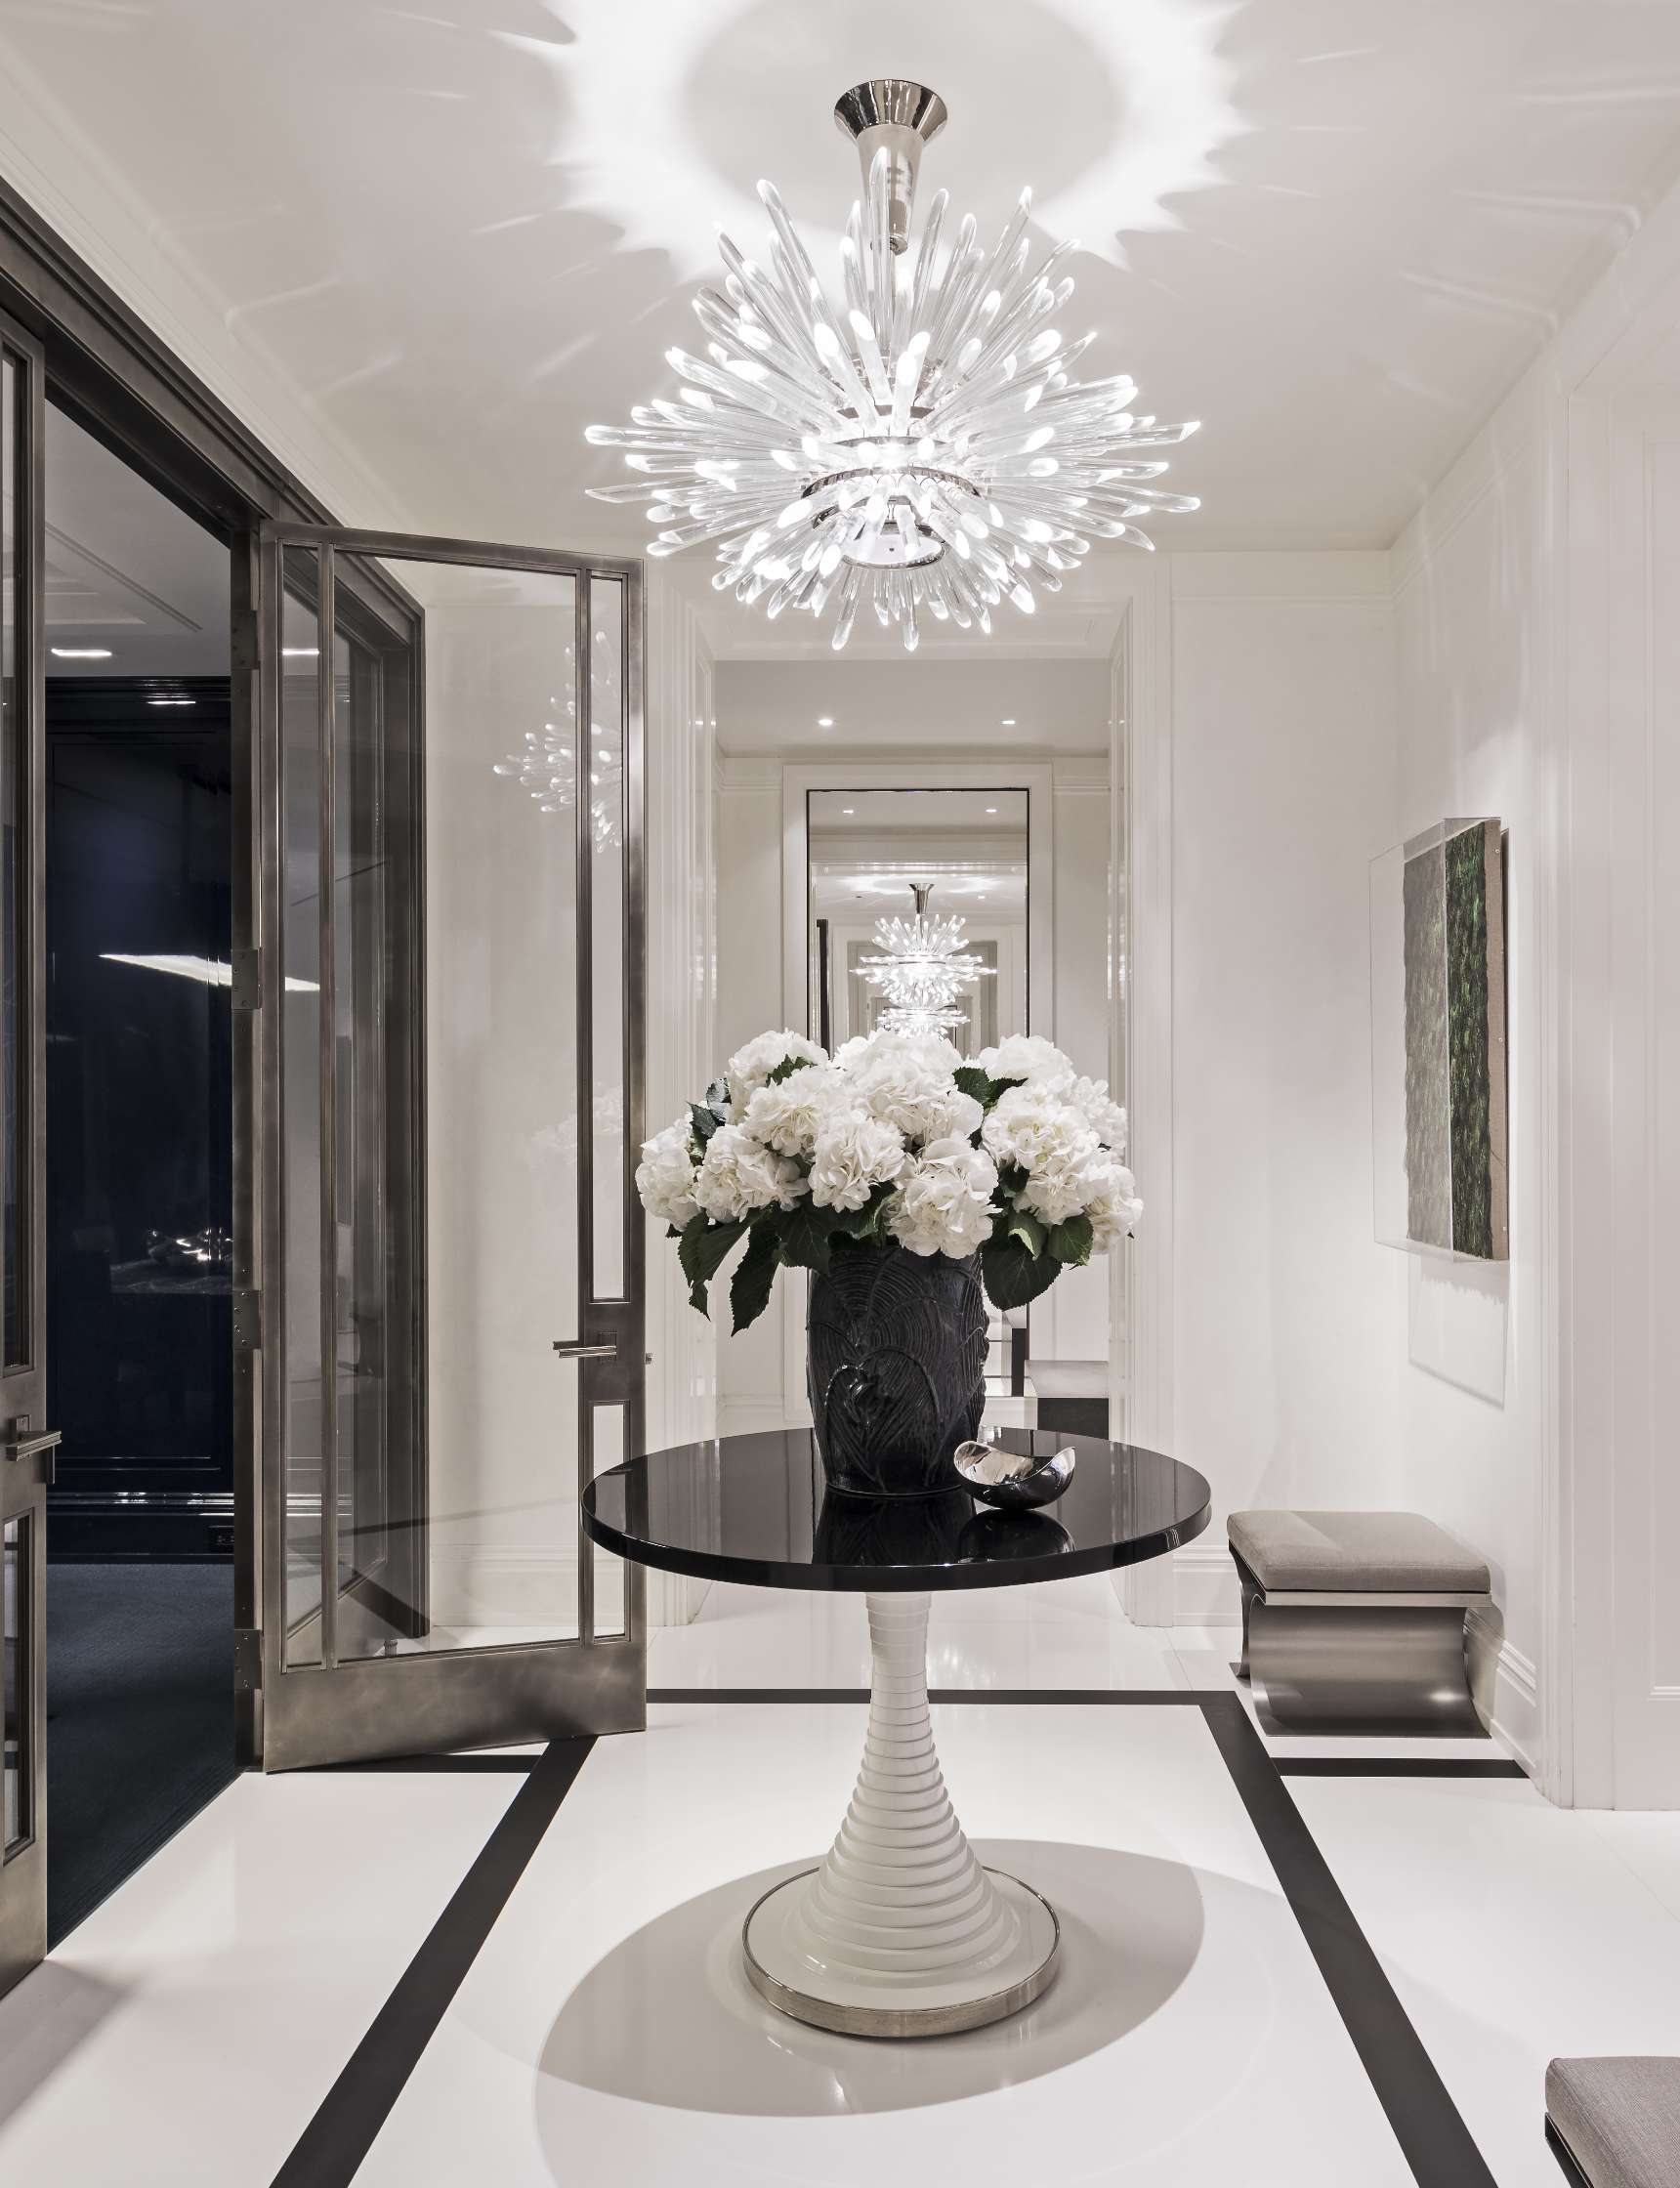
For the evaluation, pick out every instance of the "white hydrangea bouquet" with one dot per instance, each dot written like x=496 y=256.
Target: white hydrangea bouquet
x=891 y=1142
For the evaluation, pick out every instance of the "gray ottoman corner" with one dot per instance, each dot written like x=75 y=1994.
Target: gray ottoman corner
x=1617 y=2119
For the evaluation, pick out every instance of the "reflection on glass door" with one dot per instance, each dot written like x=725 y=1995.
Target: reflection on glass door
x=450 y=1086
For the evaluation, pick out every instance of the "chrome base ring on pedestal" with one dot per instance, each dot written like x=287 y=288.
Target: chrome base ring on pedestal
x=762 y=1933
x=900 y=1932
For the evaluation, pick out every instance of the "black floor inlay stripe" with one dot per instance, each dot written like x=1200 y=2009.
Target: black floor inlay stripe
x=1398 y=1766
x=1131 y=1698
x=520 y=1766
x=339 y=2137
x=1427 y=2124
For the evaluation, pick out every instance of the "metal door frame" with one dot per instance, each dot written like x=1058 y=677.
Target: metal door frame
x=342 y=1710
x=26 y=1443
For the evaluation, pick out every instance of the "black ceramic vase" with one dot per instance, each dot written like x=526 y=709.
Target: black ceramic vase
x=896 y=1368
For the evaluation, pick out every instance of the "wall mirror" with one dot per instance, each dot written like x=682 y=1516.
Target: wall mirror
x=873 y=856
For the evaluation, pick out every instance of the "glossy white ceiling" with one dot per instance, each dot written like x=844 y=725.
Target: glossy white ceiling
x=1335 y=229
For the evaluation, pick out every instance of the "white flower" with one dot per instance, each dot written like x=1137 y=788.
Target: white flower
x=1106 y=1118
x=927 y=1112
x=868 y=1055
x=1065 y=1182
x=666 y=1174
x=739 y=1175
x=1028 y=1056
x=786 y=1116
x=1113 y=1207
x=855 y=1153
x=1031 y=1126
x=749 y=1067
x=943 y=1203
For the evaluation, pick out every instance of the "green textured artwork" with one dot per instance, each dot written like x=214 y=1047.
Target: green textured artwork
x=1451 y=993
x=1467 y=860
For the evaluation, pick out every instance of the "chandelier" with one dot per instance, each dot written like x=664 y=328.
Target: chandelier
x=924 y=970
x=921 y=448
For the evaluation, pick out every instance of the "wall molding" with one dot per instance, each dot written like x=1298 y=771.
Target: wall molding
x=1205 y=1585
x=681 y=765
x=1509 y=442
x=1141 y=772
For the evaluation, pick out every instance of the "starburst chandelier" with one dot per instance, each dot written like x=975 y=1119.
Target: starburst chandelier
x=925 y=968
x=921 y=448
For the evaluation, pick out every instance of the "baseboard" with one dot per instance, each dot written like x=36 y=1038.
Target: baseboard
x=1506 y=1689
x=746 y=1415
x=1204 y=1586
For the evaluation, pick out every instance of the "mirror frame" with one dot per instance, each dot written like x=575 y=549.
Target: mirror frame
x=1039 y=781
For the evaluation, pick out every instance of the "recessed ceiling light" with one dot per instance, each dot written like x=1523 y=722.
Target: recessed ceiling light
x=1009 y=721
x=991 y=808
x=301 y=652
x=172 y=703
x=81 y=653
x=825 y=721
x=848 y=808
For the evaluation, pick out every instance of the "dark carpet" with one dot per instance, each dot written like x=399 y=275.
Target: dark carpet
x=140 y=1718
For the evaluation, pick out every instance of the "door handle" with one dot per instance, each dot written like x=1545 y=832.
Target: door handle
x=21 y=1445
x=577 y=1350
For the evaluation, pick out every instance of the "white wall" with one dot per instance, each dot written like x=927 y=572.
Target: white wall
x=1072 y=1323
x=749 y=1002
x=1283 y=1307
x=1470 y=1343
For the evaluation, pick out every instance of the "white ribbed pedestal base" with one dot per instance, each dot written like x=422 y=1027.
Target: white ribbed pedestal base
x=900 y=1932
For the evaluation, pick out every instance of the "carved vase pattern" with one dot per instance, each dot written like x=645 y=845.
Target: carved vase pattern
x=896 y=1350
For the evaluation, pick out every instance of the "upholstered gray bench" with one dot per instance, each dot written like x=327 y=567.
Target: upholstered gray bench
x=1354 y=1622
x=1614 y=2122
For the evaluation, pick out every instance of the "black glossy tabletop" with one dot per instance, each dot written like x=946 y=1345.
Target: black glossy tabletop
x=756 y=1509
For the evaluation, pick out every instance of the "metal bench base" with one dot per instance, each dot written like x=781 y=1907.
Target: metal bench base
x=1374 y=1664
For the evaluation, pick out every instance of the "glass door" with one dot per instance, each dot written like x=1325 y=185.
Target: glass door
x=445 y=1319
x=26 y=1444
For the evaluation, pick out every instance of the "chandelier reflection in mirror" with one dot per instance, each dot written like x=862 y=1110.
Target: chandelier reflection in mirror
x=925 y=968
x=546 y=763
x=923 y=450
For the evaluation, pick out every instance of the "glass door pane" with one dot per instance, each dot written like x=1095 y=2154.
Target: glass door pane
x=25 y=1454
x=456 y=751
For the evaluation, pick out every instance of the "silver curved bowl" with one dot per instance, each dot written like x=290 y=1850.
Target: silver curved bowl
x=1046 y=1482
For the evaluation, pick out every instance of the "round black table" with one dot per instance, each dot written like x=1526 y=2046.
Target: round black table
x=900 y=1932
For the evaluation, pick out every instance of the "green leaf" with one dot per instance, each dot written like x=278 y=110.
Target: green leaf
x=1071 y=1241
x=786 y=1068
x=803 y=1231
x=1023 y=1224
x=1014 y=1278
x=701 y=1250
x=970 y=1079
x=754 y=1274
x=717 y=1095
x=705 y=1122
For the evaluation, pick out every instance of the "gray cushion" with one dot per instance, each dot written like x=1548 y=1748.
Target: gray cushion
x=1621 y=2119
x=1354 y=1552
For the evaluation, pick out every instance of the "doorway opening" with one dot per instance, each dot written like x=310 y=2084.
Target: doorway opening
x=138 y=1106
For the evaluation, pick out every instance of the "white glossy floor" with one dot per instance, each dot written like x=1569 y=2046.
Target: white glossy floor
x=189 y=2029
